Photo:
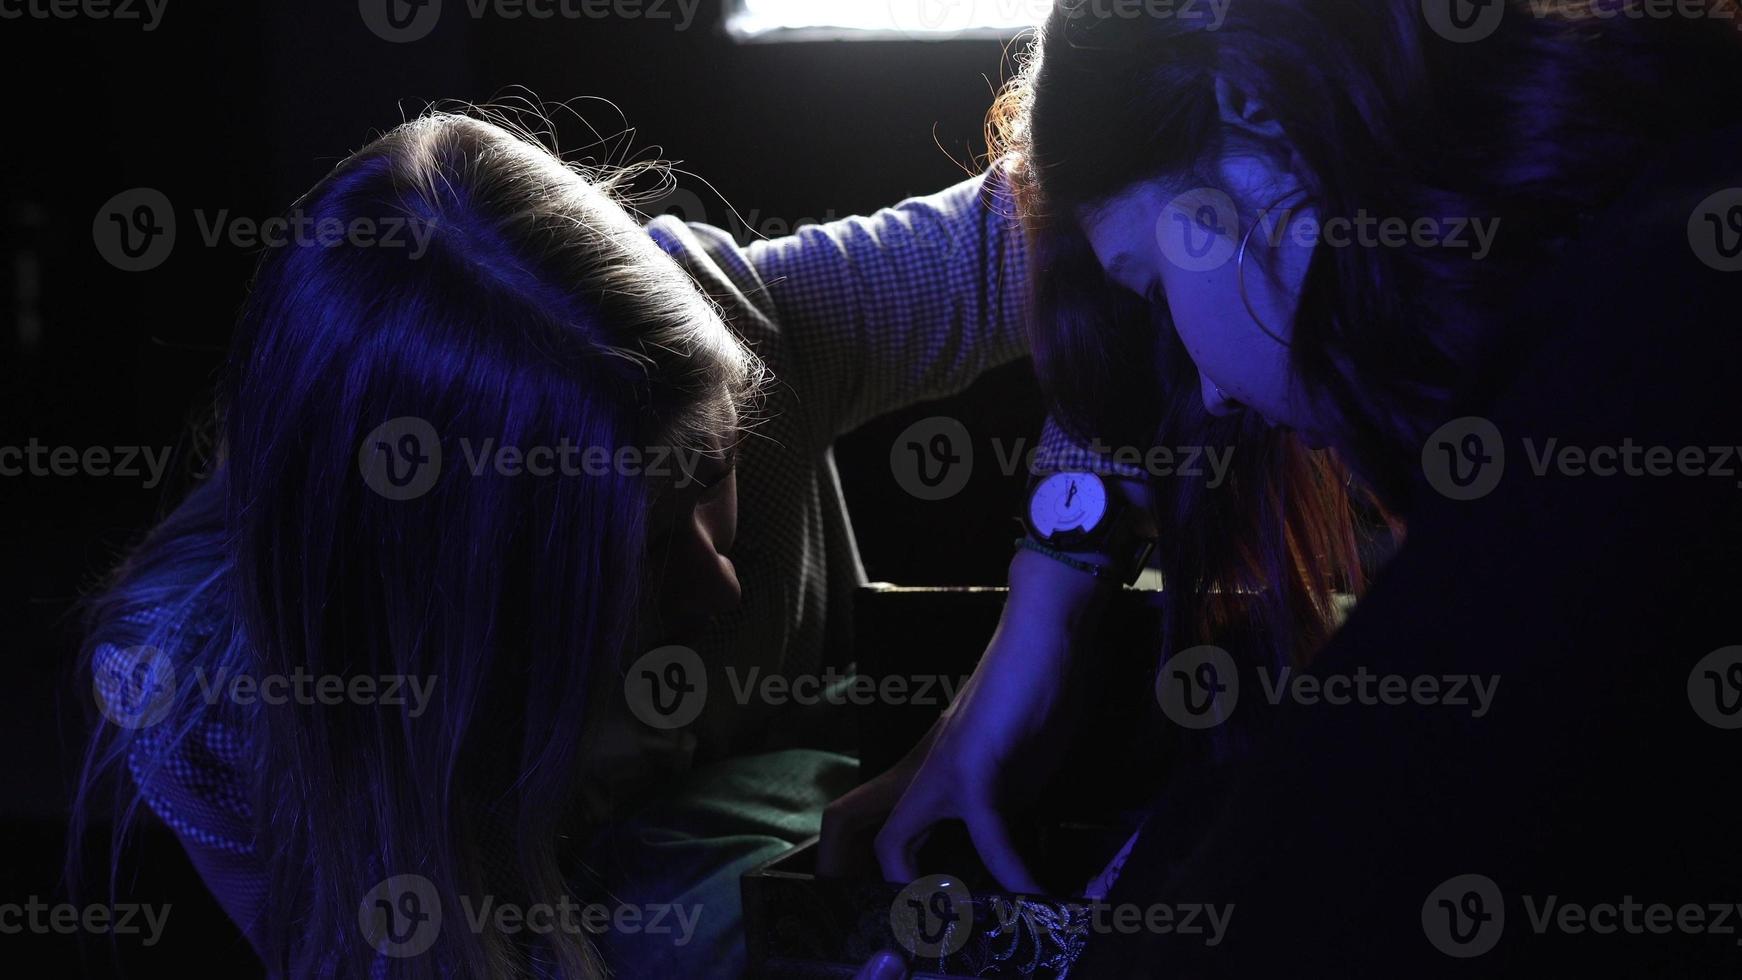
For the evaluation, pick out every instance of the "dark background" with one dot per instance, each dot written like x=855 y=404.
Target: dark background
x=244 y=105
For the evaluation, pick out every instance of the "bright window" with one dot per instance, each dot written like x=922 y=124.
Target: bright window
x=924 y=20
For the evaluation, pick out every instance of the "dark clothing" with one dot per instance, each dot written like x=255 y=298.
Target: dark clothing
x=1594 y=778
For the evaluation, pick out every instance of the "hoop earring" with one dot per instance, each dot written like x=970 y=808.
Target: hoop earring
x=1240 y=266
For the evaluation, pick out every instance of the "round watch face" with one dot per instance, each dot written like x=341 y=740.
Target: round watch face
x=1066 y=502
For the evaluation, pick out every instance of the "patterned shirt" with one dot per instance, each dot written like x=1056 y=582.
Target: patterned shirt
x=855 y=319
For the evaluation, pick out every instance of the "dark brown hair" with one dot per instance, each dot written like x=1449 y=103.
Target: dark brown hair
x=1542 y=123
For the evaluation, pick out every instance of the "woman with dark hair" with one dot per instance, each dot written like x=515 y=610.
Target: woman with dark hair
x=342 y=535
x=360 y=522
x=1443 y=246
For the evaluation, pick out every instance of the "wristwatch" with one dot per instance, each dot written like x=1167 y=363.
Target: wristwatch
x=1081 y=512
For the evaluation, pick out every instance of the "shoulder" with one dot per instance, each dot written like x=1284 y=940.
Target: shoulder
x=722 y=270
x=186 y=750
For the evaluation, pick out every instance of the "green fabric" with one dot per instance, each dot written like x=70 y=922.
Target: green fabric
x=689 y=847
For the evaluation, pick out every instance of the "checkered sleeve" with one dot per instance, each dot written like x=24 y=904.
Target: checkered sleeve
x=908 y=304
x=868 y=315
x=1059 y=453
x=193 y=781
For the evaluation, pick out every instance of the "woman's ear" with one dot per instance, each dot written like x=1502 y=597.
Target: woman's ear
x=1244 y=111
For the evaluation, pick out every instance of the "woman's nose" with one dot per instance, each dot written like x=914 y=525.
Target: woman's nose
x=1216 y=401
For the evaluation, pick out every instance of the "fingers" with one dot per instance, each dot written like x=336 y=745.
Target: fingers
x=911 y=822
x=846 y=824
x=899 y=841
x=884 y=966
x=850 y=819
x=908 y=828
x=991 y=836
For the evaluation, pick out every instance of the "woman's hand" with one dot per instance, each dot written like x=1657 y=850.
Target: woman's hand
x=992 y=750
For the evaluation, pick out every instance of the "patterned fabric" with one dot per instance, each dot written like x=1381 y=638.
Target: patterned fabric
x=855 y=319
x=195 y=791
